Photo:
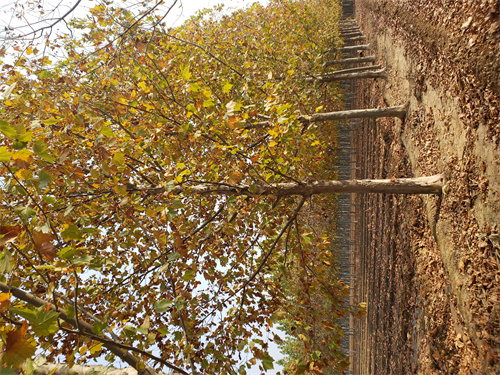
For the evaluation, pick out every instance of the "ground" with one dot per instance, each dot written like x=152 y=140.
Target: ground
x=429 y=269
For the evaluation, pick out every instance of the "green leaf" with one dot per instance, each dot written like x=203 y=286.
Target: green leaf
x=17 y=131
x=188 y=275
x=45 y=322
x=40 y=149
x=173 y=256
x=44 y=178
x=268 y=362
x=44 y=74
x=71 y=233
x=67 y=252
x=162 y=305
x=4 y=154
x=26 y=212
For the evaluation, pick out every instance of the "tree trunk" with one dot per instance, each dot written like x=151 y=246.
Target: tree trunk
x=63 y=369
x=364 y=47
x=352 y=70
x=399 y=111
x=419 y=185
x=355 y=39
x=355 y=48
x=348 y=76
x=349 y=61
x=350 y=34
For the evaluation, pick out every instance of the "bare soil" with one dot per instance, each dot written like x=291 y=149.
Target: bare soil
x=428 y=270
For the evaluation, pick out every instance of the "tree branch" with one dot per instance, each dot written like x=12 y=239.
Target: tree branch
x=86 y=329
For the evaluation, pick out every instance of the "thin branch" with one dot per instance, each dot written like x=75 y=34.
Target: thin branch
x=58 y=19
x=86 y=330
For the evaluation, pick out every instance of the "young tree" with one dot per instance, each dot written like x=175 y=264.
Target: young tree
x=144 y=217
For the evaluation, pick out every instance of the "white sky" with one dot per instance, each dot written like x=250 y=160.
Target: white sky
x=190 y=7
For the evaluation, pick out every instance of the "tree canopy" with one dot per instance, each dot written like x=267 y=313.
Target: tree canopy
x=107 y=247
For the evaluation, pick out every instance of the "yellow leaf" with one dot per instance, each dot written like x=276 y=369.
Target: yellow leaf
x=4 y=301
x=96 y=348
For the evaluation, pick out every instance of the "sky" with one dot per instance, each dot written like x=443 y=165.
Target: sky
x=190 y=7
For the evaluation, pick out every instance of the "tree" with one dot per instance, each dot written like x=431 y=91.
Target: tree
x=144 y=217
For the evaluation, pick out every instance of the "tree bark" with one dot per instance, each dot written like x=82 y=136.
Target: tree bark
x=355 y=48
x=349 y=61
x=350 y=34
x=399 y=111
x=355 y=39
x=348 y=76
x=352 y=70
x=63 y=369
x=419 y=185
x=364 y=47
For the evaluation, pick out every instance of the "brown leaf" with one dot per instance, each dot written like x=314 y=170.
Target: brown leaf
x=8 y=233
x=4 y=301
x=17 y=348
x=44 y=245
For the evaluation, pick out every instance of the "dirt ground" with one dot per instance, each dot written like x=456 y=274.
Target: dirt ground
x=430 y=268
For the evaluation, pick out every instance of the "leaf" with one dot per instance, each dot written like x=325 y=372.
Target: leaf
x=40 y=149
x=268 y=362
x=26 y=212
x=5 y=265
x=226 y=88
x=44 y=74
x=8 y=233
x=17 y=347
x=185 y=73
x=45 y=322
x=72 y=233
x=118 y=158
x=4 y=301
x=173 y=256
x=44 y=178
x=4 y=154
x=8 y=91
x=7 y=130
x=43 y=243
x=188 y=275
x=162 y=305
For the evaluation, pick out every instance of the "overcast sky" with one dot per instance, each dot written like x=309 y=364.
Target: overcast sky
x=190 y=7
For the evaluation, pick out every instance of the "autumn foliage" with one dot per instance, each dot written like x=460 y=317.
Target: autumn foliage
x=94 y=143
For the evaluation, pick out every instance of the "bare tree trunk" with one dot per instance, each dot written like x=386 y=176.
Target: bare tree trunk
x=352 y=70
x=364 y=47
x=355 y=39
x=419 y=185
x=349 y=61
x=348 y=76
x=63 y=369
x=350 y=34
x=399 y=111
x=349 y=28
x=355 y=48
